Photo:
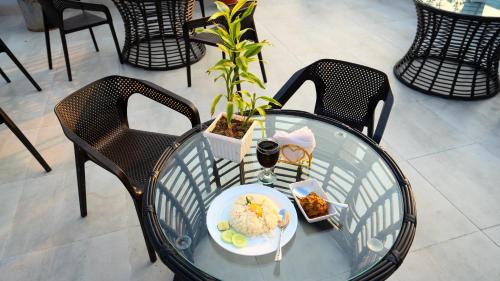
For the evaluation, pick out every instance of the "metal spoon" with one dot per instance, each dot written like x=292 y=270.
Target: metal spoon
x=282 y=224
x=302 y=192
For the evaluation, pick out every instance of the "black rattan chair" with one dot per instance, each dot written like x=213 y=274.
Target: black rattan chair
x=190 y=36
x=53 y=17
x=94 y=118
x=4 y=118
x=345 y=91
x=5 y=49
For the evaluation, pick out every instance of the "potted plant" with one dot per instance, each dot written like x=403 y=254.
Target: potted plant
x=230 y=134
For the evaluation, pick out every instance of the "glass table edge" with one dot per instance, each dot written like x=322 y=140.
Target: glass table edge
x=455 y=14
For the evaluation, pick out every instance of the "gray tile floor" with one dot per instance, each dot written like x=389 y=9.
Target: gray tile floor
x=450 y=150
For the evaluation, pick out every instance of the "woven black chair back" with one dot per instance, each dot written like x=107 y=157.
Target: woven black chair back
x=97 y=111
x=347 y=92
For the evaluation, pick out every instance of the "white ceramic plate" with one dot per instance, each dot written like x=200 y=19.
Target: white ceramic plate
x=220 y=209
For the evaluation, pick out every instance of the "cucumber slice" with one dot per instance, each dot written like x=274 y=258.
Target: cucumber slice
x=239 y=240
x=223 y=225
x=227 y=236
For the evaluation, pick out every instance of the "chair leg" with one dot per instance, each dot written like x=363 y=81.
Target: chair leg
x=93 y=39
x=4 y=76
x=47 y=39
x=188 y=60
x=66 y=56
x=12 y=126
x=80 y=159
x=223 y=55
x=262 y=69
x=115 y=39
x=202 y=7
x=21 y=67
x=149 y=246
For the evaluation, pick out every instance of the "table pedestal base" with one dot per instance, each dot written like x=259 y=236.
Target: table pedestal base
x=453 y=55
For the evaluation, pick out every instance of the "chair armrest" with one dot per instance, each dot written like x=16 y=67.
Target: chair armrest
x=384 y=116
x=171 y=100
x=97 y=157
x=290 y=87
x=72 y=4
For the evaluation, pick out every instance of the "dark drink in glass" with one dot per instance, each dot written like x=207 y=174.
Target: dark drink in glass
x=268 y=153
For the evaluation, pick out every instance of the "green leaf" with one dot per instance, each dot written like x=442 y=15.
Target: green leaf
x=253 y=49
x=252 y=78
x=214 y=103
x=216 y=15
x=271 y=100
x=237 y=7
x=248 y=10
x=242 y=63
x=222 y=7
x=229 y=113
x=261 y=111
x=261 y=125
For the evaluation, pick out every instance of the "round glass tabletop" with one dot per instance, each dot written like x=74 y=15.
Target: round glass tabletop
x=483 y=8
x=350 y=168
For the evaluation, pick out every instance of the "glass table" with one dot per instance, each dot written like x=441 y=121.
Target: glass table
x=456 y=51
x=367 y=241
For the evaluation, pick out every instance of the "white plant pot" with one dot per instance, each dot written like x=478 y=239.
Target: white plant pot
x=226 y=147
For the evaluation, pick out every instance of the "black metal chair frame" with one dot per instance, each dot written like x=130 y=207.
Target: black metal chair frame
x=184 y=270
x=53 y=11
x=4 y=118
x=384 y=93
x=84 y=151
x=4 y=48
x=190 y=37
x=453 y=55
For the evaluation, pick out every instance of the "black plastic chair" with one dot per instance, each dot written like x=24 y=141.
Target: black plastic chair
x=4 y=118
x=5 y=49
x=94 y=118
x=53 y=17
x=346 y=92
x=212 y=40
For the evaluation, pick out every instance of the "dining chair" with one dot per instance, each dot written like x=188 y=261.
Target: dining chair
x=5 y=49
x=94 y=118
x=4 y=118
x=346 y=92
x=53 y=11
x=192 y=36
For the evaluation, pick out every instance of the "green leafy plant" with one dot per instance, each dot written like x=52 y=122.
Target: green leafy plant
x=233 y=70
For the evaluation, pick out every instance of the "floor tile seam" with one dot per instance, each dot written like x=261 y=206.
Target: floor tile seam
x=283 y=43
x=443 y=195
x=445 y=241
x=444 y=150
x=65 y=244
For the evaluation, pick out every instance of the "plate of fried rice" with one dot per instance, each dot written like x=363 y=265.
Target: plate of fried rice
x=251 y=211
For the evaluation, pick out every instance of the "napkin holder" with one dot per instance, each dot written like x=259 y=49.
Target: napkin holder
x=304 y=160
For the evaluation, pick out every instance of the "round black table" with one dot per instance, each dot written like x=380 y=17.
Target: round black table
x=351 y=168
x=456 y=50
x=153 y=33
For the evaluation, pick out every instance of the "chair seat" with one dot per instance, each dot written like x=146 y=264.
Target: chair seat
x=136 y=153
x=82 y=21
x=205 y=38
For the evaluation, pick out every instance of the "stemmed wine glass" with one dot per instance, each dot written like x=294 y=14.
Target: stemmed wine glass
x=268 y=152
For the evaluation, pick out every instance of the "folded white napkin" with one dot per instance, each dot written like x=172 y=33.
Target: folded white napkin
x=302 y=137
